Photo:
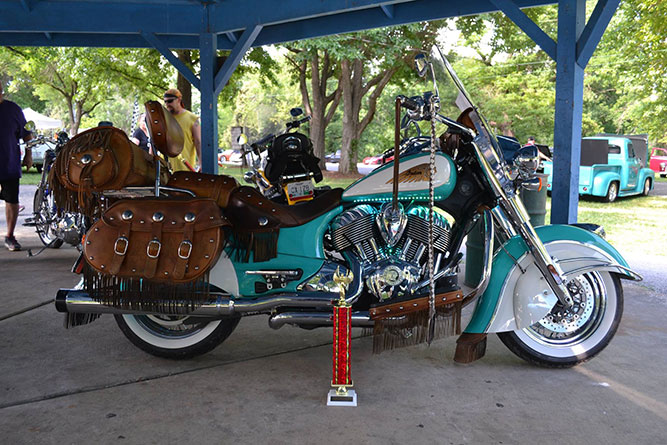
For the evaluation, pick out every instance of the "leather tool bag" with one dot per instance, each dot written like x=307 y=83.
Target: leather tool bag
x=173 y=240
x=103 y=158
x=217 y=187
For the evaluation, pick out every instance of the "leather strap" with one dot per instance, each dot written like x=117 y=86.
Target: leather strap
x=184 y=251
x=153 y=249
x=120 y=248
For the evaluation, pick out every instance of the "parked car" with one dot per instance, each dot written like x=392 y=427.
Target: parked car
x=37 y=155
x=658 y=161
x=373 y=160
x=611 y=167
x=234 y=156
x=333 y=157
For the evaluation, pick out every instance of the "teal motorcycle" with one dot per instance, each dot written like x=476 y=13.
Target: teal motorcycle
x=553 y=294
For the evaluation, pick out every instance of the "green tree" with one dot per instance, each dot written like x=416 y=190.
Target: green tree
x=75 y=81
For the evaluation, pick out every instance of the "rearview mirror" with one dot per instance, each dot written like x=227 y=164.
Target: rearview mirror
x=296 y=112
x=30 y=126
x=421 y=64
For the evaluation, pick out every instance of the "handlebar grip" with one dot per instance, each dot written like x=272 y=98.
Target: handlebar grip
x=410 y=104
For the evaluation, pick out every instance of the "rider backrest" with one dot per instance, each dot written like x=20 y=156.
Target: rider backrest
x=290 y=154
x=166 y=134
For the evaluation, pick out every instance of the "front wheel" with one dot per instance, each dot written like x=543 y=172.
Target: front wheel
x=175 y=337
x=567 y=337
x=44 y=208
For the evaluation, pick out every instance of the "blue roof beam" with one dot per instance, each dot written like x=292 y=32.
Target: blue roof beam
x=166 y=52
x=595 y=28
x=27 y=5
x=528 y=26
x=242 y=45
x=388 y=10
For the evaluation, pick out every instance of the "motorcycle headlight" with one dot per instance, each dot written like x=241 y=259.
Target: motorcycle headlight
x=526 y=161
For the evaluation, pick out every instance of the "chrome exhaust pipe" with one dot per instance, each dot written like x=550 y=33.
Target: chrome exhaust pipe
x=360 y=319
x=77 y=301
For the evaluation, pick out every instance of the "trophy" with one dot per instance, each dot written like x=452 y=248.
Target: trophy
x=342 y=393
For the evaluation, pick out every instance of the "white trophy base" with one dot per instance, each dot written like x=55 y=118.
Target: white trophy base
x=335 y=399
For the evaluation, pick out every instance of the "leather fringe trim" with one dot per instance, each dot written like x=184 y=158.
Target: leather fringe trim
x=70 y=201
x=73 y=320
x=262 y=245
x=412 y=329
x=145 y=295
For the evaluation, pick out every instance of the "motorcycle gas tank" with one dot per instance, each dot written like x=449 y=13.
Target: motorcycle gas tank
x=412 y=180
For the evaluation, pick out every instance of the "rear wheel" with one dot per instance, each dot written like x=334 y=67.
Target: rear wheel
x=647 y=187
x=612 y=192
x=175 y=337
x=567 y=337
x=44 y=209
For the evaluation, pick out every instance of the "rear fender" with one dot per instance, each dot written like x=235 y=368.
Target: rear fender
x=518 y=296
x=601 y=182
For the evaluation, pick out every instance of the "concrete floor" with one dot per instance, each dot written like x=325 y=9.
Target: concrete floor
x=90 y=385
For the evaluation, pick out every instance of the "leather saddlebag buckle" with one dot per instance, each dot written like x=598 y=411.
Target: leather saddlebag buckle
x=162 y=239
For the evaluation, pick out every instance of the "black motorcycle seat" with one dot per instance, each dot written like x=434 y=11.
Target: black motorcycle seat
x=249 y=210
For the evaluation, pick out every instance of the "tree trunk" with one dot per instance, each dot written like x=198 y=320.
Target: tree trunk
x=183 y=85
x=70 y=112
x=317 y=103
x=353 y=92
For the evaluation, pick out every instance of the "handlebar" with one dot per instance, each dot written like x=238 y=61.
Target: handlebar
x=411 y=103
x=38 y=140
x=298 y=122
x=288 y=126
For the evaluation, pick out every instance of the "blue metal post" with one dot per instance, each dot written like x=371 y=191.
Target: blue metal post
x=209 y=102
x=569 y=111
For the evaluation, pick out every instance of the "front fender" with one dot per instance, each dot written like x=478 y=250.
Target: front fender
x=518 y=296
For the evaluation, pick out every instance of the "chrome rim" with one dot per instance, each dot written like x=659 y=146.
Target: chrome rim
x=647 y=187
x=167 y=326
x=612 y=191
x=571 y=326
x=45 y=222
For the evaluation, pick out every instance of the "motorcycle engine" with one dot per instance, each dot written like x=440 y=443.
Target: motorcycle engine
x=391 y=245
x=67 y=229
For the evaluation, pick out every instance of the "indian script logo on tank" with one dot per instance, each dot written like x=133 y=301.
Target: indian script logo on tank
x=418 y=173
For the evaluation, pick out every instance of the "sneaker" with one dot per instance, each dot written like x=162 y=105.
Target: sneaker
x=11 y=244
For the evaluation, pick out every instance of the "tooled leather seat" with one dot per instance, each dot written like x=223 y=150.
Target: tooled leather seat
x=217 y=187
x=250 y=210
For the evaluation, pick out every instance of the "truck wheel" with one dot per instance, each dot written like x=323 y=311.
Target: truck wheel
x=612 y=192
x=647 y=187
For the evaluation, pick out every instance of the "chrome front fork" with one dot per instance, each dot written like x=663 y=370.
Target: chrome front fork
x=513 y=218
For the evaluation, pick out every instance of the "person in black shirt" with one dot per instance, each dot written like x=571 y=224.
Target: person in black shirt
x=140 y=135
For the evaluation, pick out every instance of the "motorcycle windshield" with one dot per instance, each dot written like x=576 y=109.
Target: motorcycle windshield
x=454 y=98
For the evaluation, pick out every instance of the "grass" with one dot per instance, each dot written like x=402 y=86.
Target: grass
x=635 y=224
x=332 y=179
x=31 y=177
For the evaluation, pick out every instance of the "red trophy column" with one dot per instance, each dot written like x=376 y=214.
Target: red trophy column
x=342 y=393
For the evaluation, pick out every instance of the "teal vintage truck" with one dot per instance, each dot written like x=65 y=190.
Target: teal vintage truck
x=612 y=166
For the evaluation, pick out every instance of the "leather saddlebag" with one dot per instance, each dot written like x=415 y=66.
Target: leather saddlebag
x=173 y=240
x=217 y=187
x=103 y=158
